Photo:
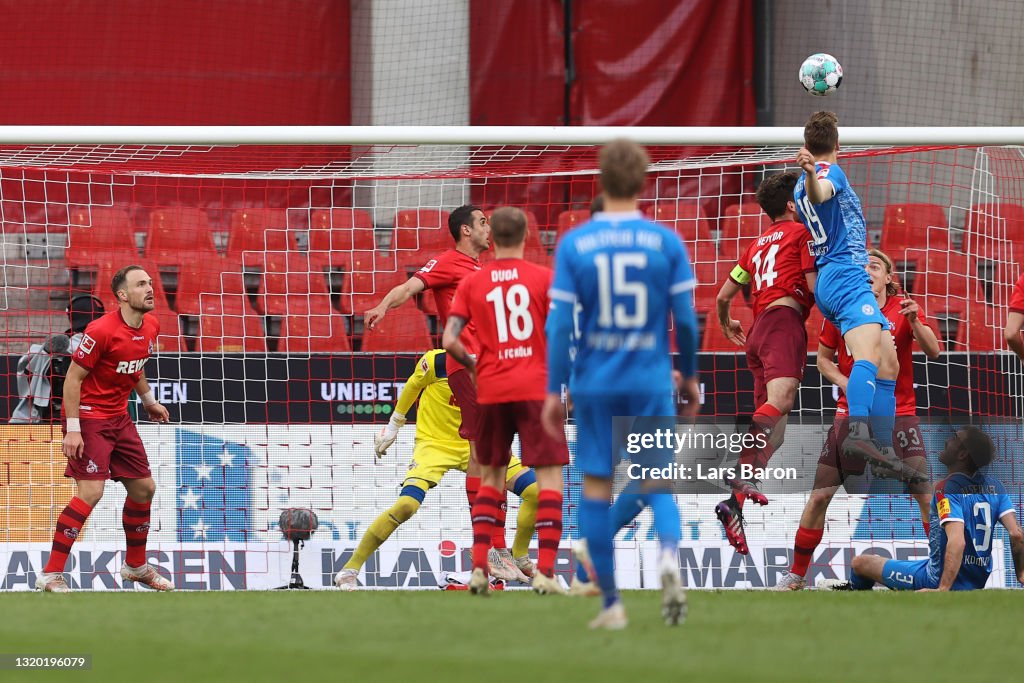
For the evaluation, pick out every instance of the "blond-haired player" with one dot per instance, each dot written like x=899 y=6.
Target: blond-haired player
x=439 y=449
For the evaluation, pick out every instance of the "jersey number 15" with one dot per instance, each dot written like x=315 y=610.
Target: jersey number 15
x=613 y=282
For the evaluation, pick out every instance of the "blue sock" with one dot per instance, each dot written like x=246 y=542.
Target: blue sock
x=859 y=583
x=625 y=509
x=666 y=520
x=595 y=526
x=883 y=411
x=860 y=389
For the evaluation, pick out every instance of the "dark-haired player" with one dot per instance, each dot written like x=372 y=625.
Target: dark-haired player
x=442 y=274
x=508 y=302
x=964 y=509
x=908 y=325
x=831 y=210
x=779 y=266
x=100 y=439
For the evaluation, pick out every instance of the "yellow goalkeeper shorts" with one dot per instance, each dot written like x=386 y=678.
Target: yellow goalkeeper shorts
x=432 y=459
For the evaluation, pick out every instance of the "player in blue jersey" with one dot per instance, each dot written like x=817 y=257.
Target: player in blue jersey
x=627 y=274
x=831 y=210
x=964 y=509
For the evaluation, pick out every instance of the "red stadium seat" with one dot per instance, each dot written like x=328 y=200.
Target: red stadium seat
x=738 y=229
x=914 y=225
x=684 y=217
x=364 y=290
x=259 y=230
x=538 y=255
x=220 y=278
x=992 y=228
x=567 y=220
x=227 y=324
x=322 y=331
x=179 y=236
x=169 y=340
x=288 y=275
x=935 y=273
x=97 y=232
x=984 y=331
x=420 y=233
x=334 y=233
x=402 y=329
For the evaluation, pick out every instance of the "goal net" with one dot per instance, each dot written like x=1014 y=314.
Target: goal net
x=267 y=257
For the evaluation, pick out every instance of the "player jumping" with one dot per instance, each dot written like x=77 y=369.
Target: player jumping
x=100 y=439
x=963 y=513
x=907 y=323
x=442 y=274
x=831 y=210
x=439 y=449
x=781 y=267
x=627 y=273
x=508 y=301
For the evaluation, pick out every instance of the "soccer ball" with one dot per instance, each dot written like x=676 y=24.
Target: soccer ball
x=821 y=74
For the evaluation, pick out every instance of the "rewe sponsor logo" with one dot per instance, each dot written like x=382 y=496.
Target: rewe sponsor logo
x=130 y=367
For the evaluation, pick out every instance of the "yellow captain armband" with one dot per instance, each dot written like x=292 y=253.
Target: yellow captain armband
x=739 y=275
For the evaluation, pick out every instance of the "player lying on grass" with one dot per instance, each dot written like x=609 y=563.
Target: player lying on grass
x=780 y=268
x=831 y=210
x=908 y=325
x=964 y=509
x=100 y=439
x=626 y=273
x=438 y=449
x=508 y=301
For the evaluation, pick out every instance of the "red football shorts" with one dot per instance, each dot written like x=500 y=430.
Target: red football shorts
x=113 y=450
x=776 y=347
x=464 y=392
x=499 y=423
x=906 y=440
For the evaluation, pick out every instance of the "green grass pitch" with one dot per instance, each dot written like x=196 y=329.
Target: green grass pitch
x=452 y=637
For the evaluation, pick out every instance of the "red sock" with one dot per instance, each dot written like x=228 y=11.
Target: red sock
x=472 y=488
x=485 y=510
x=806 y=541
x=69 y=525
x=498 y=531
x=549 y=529
x=927 y=527
x=135 y=520
x=763 y=422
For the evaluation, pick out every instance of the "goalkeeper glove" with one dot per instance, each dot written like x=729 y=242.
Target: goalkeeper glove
x=382 y=442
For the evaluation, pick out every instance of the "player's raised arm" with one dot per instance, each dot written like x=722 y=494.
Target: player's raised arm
x=1013 y=529
x=828 y=342
x=393 y=299
x=156 y=412
x=414 y=386
x=732 y=329
x=924 y=335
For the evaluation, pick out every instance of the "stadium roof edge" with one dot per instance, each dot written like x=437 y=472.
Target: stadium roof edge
x=495 y=135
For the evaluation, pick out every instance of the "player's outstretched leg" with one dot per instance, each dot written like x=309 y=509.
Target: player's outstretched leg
x=69 y=526
x=379 y=531
x=731 y=517
x=595 y=526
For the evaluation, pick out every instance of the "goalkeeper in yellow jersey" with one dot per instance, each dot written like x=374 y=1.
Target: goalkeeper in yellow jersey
x=439 y=449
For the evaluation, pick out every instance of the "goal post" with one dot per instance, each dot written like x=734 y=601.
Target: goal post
x=268 y=245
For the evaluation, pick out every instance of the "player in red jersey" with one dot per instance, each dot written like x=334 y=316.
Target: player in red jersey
x=508 y=302
x=442 y=274
x=907 y=324
x=1015 y=320
x=780 y=267
x=100 y=439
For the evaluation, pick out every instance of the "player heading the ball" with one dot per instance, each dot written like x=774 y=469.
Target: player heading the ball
x=100 y=439
x=831 y=210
